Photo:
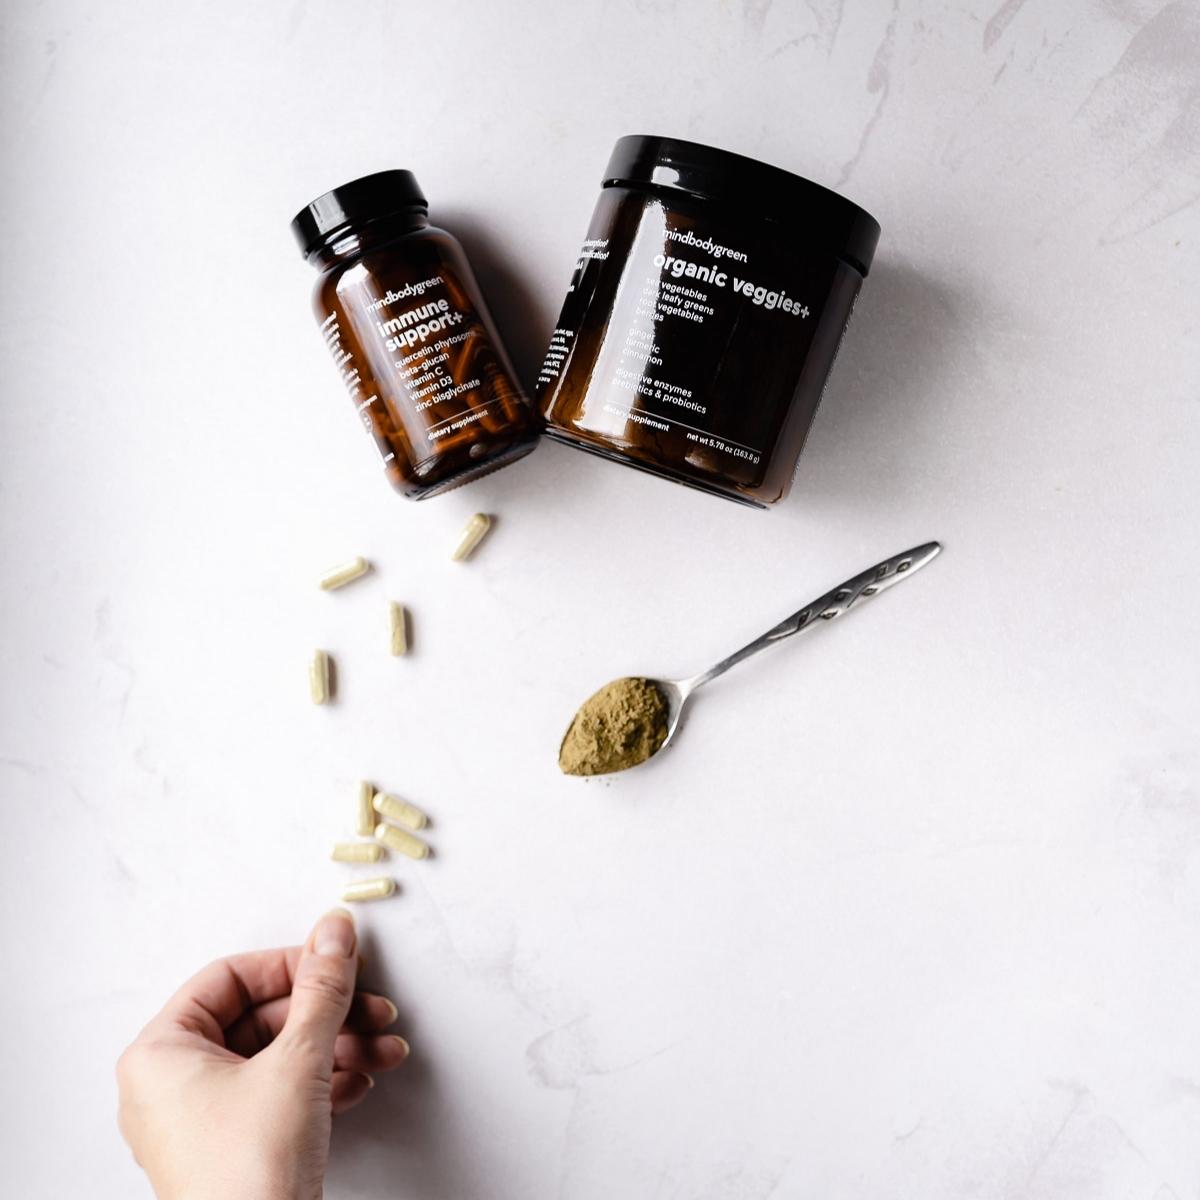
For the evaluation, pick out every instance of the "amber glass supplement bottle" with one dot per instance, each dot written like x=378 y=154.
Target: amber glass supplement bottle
x=407 y=327
x=703 y=317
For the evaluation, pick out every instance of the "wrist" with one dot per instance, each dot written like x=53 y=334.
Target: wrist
x=242 y=1191
x=257 y=1184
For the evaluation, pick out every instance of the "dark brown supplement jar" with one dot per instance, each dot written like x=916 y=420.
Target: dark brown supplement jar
x=704 y=316
x=407 y=327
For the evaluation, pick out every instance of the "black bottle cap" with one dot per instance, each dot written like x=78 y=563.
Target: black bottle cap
x=367 y=199
x=752 y=186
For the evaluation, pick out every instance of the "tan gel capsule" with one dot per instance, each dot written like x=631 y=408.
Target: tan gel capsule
x=364 y=813
x=369 y=889
x=318 y=677
x=399 y=811
x=472 y=534
x=398 y=629
x=401 y=841
x=348 y=572
x=360 y=852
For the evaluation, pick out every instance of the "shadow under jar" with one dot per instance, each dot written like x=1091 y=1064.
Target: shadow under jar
x=406 y=324
x=704 y=315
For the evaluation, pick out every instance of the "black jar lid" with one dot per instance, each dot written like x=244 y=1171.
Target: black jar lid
x=753 y=186
x=367 y=199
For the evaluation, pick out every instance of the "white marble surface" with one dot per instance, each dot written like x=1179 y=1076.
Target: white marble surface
x=914 y=910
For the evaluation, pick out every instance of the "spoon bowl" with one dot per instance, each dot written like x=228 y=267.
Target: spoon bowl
x=676 y=693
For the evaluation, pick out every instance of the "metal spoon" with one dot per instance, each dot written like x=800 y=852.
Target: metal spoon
x=870 y=583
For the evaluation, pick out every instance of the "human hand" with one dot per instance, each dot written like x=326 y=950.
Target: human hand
x=228 y=1093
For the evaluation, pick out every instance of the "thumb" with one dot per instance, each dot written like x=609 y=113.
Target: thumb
x=322 y=990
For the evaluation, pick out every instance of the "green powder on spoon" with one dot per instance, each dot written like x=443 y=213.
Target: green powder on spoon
x=622 y=725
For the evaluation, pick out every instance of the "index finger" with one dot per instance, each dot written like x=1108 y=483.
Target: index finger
x=217 y=995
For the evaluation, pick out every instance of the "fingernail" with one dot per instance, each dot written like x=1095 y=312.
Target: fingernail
x=369 y=1078
x=334 y=935
x=393 y=1011
x=403 y=1044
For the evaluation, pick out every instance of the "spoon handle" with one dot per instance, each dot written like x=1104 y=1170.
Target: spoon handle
x=869 y=583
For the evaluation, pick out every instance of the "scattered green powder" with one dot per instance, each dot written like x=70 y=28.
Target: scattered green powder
x=622 y=725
